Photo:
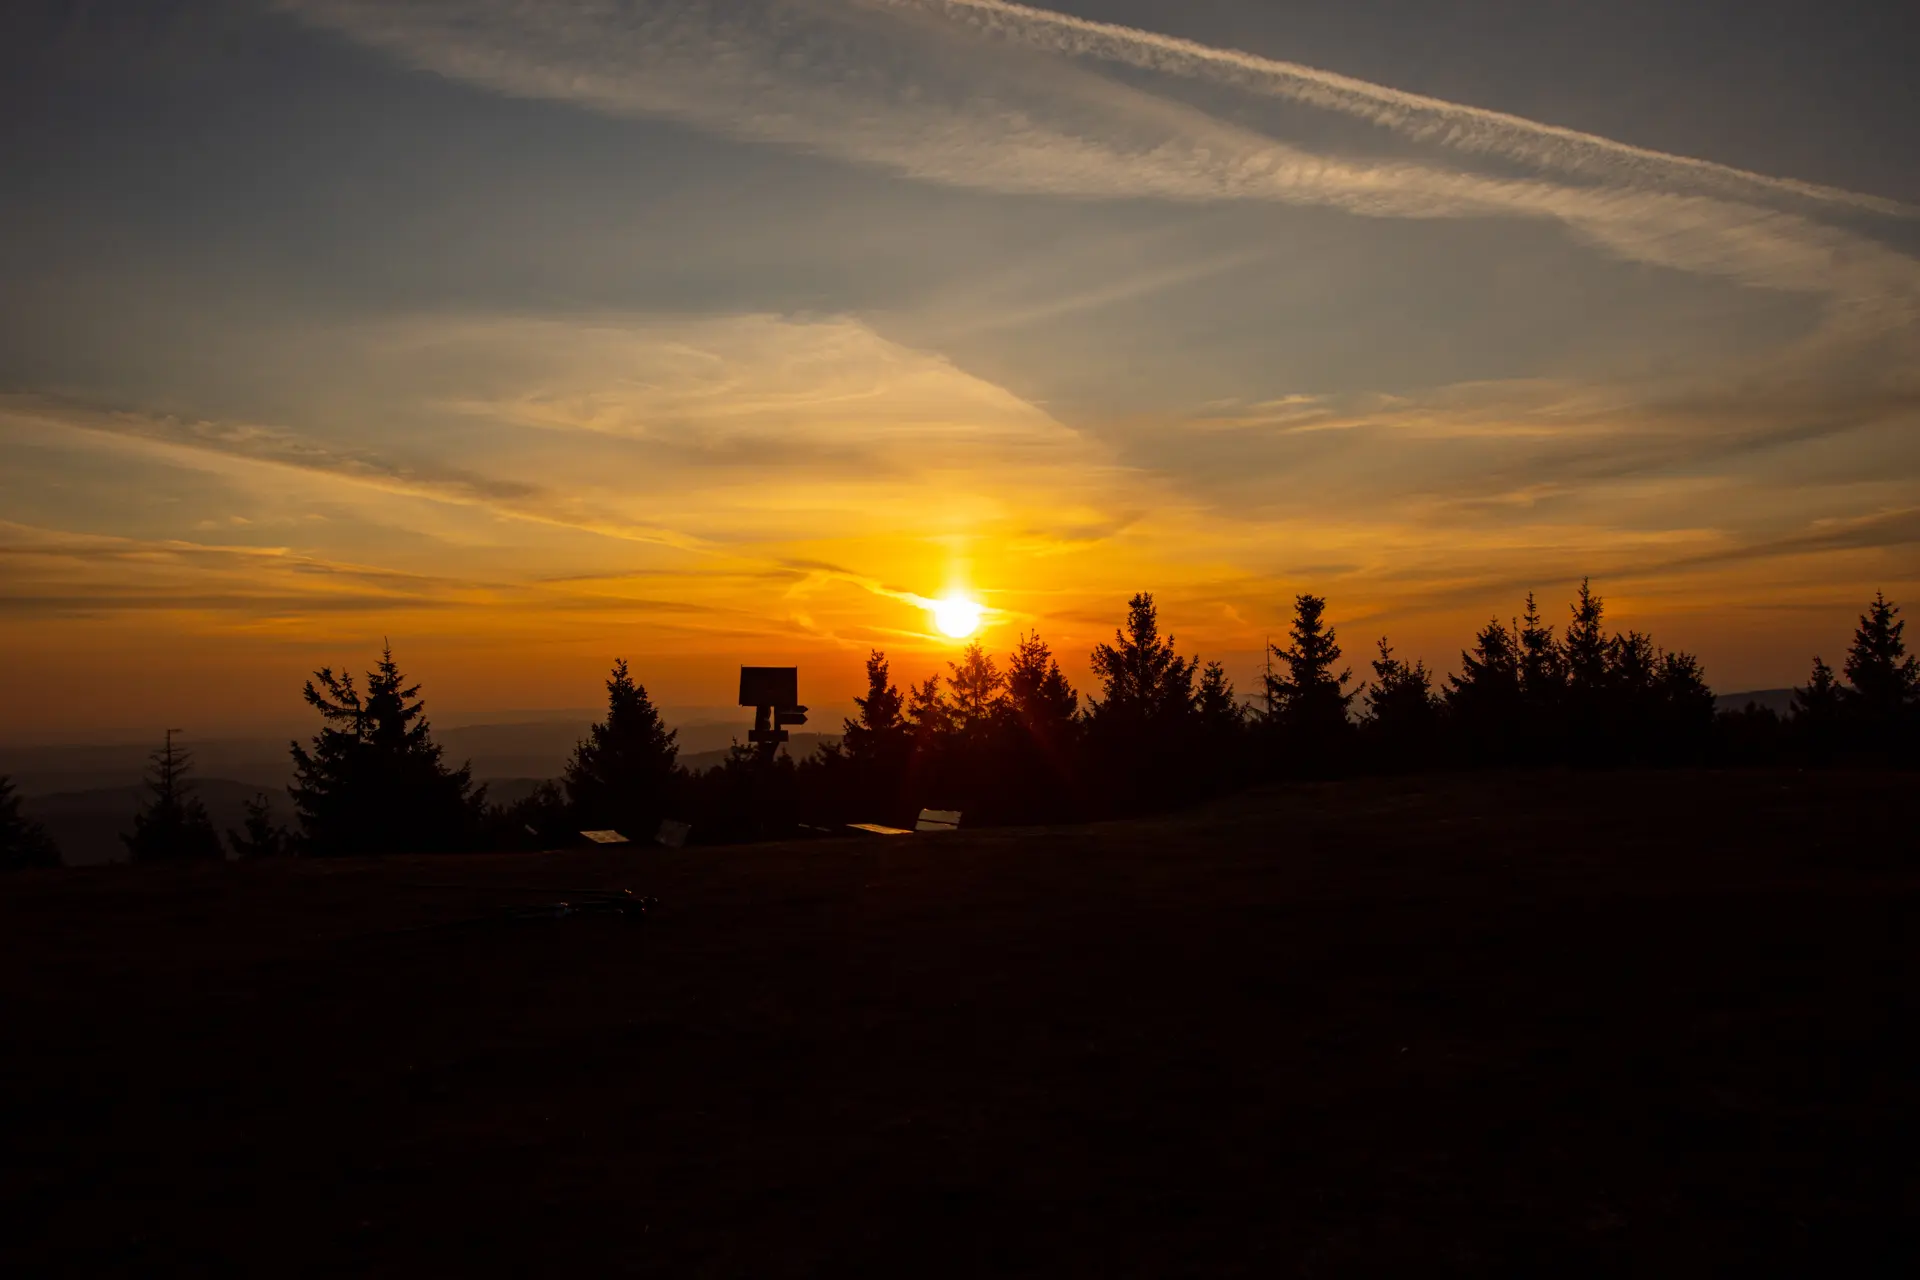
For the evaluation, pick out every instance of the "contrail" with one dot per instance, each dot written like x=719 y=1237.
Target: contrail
x=1411 y=115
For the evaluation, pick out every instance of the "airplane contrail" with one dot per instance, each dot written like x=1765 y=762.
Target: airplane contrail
x=1411 y=115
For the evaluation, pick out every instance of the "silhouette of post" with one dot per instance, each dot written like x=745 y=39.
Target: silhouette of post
x=774 y=695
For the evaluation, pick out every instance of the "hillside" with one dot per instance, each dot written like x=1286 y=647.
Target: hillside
x=1613 y=1023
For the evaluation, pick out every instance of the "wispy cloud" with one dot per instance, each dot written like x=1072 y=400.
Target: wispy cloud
x=912 y=86
x=1415 y=116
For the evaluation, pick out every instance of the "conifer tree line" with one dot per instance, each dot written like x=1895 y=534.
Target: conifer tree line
x=1011 y=741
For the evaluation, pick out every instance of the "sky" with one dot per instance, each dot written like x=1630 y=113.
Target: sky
x=709 y=332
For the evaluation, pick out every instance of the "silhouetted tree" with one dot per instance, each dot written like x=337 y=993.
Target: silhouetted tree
x=260 y=836
x=1144 y=680
x=173 y=825
x=24 y=843
x=1139 y=729
x=1657 y=707
x=1542 y=677
x=978 y=688
x=1214 y=701
x=374 y=781
x=1403 y=716
x=1036 y=774
x=746 y=797
x=879 y=737
x=1689 y=701
x=1749 y=735
x=1589 y=656
x=1042 y=700
x=1815 y=725
x=1485 y=701
x=1307 y=698
x=621 y=776
x=1220 y=758
x=929 y=717
x=1585 y=651
x=867 y=770
x=1881 y=707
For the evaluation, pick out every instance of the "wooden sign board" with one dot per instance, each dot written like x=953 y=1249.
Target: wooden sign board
x=770 y=686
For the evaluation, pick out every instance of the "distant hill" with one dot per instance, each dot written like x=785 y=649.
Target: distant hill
x=88 y=824
x=522 y=747
x=1779 y=701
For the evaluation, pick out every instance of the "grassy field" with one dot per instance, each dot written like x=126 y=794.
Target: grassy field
x=1538 y=1023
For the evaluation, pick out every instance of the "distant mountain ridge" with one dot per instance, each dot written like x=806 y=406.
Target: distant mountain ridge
x=1778 y=701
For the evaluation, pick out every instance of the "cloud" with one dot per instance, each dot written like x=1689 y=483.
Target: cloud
x=898 y=86
x=1414 y=116
x=281 y=447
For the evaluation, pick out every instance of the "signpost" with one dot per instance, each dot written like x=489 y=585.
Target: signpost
x=774 y=695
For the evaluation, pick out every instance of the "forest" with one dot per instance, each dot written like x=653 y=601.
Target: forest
x=1009 y=741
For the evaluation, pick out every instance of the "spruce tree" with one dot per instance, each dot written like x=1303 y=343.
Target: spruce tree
x=1815 y=725
x=1687 y=707
x=1221 y=760
x=24 y=843
x=374 y=781
x=1403 y=715
x=1589 y=657
x=260 y=836
x=879 y=736
x=1309 y=699
x=621 y=776
x=1144 y=680
x=929 y=717
x=1038 y=692
x=173 y=825
x=978 y=687
x=1485 y=701
x=1214 y=704
x=1884 y=696
x=1585 y=650
x=1542 y=673
x=1139 y=732
x=869 y=766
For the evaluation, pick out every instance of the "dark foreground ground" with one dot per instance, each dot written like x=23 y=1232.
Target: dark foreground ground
x=1540 y=1024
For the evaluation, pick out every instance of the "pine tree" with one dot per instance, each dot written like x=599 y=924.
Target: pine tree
x=1214 y=703
x=929 y=717
x=868 y=768
x=621 y=776
x=1543 y=679
x=880 y=732
x=374 y=781
x=1589 y=656
x=978 y=687
x=1309 y=696
x=1815 y=725
x=1585 y=650
x=1687 y=709
x=1039 y=694
x=1139 y=733
x=1403 y=715
x=173 y=825
x=1144 y=680
x=261 y=836
x=1885 y=679
x=24 y=843
x=1484 y=701
x=1309 y=700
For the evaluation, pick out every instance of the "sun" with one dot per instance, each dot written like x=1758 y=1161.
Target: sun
x=956 y=616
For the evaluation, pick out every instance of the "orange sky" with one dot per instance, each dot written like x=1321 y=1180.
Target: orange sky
x=724 y=332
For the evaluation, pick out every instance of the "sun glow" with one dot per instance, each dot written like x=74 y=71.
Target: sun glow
x=956 y=616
